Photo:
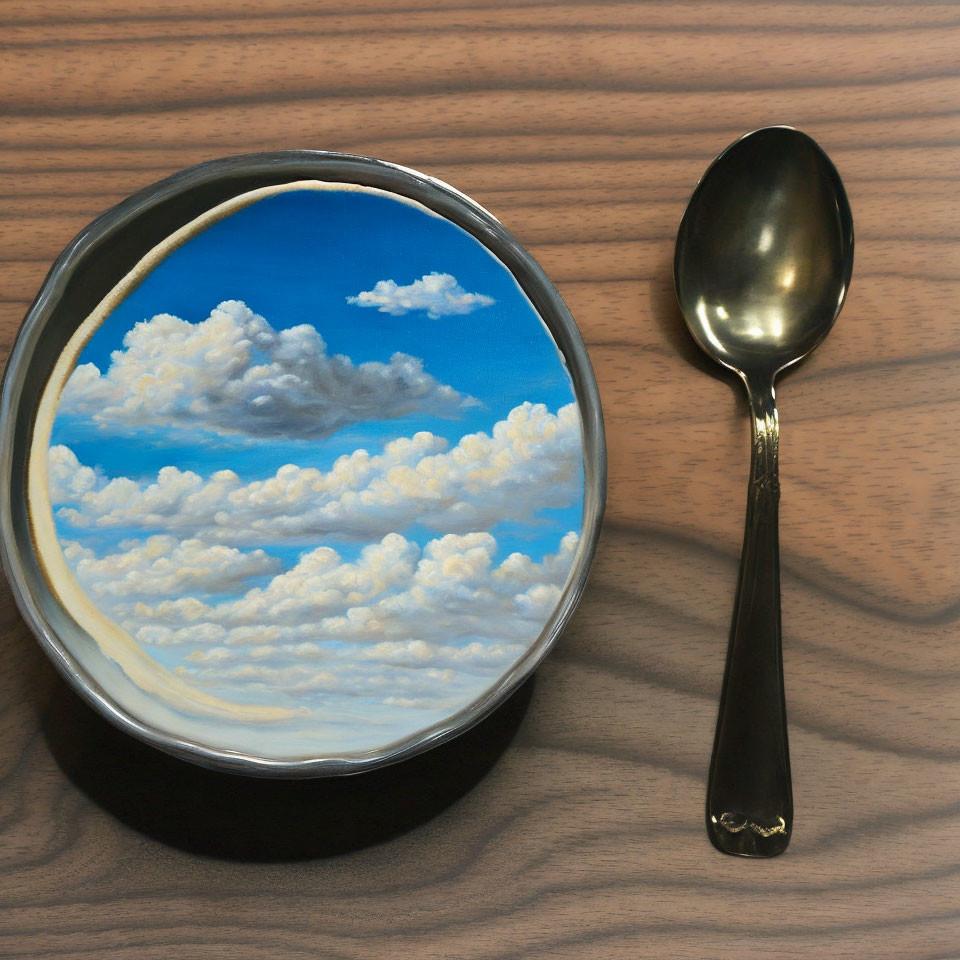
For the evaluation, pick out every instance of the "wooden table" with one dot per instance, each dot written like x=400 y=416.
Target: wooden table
x=570 y=823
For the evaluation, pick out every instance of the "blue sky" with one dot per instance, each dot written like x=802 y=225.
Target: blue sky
x=295 y=258
x=422 y=605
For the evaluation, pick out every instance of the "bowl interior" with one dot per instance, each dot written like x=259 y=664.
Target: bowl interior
x=303 y=464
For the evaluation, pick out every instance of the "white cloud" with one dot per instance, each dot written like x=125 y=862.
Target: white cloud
x=426 y=690
x=438 y=294
x=393 y=595
x=421 y=653
x=263 y=651
x=430 y=625
x=234 y=374
x=321 y=583
x=457 y=593
x=404 y=627
x=160 y=635
x=162 y=565
x=528 y=462
x=68 y=479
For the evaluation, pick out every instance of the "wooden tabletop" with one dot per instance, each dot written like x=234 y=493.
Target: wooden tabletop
x=569 y=824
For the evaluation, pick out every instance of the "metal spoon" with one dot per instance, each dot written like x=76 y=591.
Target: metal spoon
x=763 y=262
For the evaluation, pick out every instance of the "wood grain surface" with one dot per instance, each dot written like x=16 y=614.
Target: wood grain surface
x=570 y=823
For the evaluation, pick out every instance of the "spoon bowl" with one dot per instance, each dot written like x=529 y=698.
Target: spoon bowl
x=765 y=252
x=763 y=263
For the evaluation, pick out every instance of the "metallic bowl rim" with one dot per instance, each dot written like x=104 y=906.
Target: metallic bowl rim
x=286 y=166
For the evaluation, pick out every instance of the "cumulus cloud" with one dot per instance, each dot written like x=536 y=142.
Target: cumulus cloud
x=67 y=478
x=394 y=591
x=321 y=583
x=234 y=374
x=394 y=627
x=438 y=294
x=456 y=591
x=162 y=565
x=399 y=622
x=528 y=462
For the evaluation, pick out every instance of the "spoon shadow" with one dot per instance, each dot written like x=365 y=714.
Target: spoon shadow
x=250 y=819
x=667 y=316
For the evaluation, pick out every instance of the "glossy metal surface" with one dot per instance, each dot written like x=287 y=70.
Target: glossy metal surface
x=763 y=262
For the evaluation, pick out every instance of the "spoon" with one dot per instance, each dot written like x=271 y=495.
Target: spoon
x=763 y=262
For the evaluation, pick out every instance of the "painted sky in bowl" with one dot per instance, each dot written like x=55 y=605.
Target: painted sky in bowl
x=325 y=455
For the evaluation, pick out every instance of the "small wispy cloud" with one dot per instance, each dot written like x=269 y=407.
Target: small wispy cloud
x=438 y=294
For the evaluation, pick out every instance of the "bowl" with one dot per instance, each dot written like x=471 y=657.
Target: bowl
x=302 y=464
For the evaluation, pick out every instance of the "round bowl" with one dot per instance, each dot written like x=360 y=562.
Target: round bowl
x=285 y=546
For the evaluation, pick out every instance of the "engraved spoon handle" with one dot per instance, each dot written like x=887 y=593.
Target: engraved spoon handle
x=749 y=794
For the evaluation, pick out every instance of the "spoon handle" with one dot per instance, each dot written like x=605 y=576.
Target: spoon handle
x=749 y=794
